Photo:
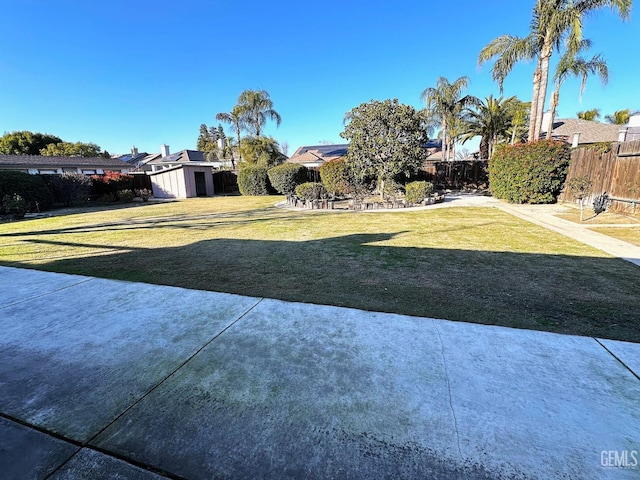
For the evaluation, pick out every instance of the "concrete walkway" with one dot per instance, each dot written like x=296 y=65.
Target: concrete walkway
x=109 y=379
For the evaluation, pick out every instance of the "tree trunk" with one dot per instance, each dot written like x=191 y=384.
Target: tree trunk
x=484 y=148
x=533 y=112
x=552 y=109
x=545 y=56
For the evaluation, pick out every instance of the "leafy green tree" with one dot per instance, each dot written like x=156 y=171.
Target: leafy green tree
x=256 y=108
x=205 y=141
x=590 y=115
x=386 y=139
x=553 y=21
x=572 y=64
x=25 y=143
x=262 y=151
x=236 y=120
x=68 y=149
x=620 y=117
x=445 y=105
x=490 y=120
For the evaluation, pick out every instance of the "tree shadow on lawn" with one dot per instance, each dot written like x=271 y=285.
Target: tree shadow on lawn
x=589 y=296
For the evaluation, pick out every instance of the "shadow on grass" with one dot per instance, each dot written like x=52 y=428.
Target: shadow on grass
x=558 y=293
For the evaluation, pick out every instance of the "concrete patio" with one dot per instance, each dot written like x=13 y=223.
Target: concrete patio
x=101 y=378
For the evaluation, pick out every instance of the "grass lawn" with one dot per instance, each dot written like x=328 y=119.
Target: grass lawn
x=627 y=234
x=606 y=218
x=472 y=264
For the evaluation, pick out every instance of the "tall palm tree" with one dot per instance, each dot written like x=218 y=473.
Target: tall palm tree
x=590 y=115
x=445 y=104
x=620 y=117
x=572 y=64
x=256 y=107
x=235 y=118
x=552 y=22
x=490 y=120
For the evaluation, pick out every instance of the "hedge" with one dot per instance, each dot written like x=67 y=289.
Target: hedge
x=31 y=188
x=310 y=191
x=529 y=172
x=335 y=177
x=286 y=177
x=253 y=180
x=416 y=192
x=69 y=189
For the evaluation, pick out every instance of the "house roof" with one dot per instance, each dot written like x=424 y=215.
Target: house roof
x=590 y=132
x=318 y=153
x=35 y=161
x=179 y=157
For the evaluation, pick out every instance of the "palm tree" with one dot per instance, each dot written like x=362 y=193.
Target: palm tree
x=234 y=117
x=620 y=117
x=571 y=64
x=590 y=115
x=552 y=22
x=490 y=120
x=519 y=121
x=256 y=107
x=445 y=104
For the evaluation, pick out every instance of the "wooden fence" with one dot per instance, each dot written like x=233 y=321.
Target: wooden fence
x=458 y=174
x=616 y=172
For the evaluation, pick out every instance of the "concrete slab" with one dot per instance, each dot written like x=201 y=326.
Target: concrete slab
x=89 y=465
x=627 y=352
x=28 y=454
x=548 y=404
x=303 y=391
x=17 y=285
x=74 y=360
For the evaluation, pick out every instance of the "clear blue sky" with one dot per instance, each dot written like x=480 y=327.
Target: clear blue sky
x=143 y=73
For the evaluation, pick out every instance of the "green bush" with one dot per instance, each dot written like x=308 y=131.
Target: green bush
x=69 y=188
x=310 y=191
x=416 y=192
x=286 y=177
x=144 y=194
x=253 y=180
x=32 y=188
x=14 y=204
x=529 y=172
x=126 y=195
x=335 y=177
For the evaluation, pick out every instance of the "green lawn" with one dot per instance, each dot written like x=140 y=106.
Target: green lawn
x=472 y=264
x=627 y=234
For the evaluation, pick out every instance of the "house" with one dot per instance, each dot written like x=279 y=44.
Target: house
x=185 y=174
x=40 y=164
x=314 y=156
x=577 y=132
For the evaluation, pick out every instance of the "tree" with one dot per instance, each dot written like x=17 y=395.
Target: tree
x=25 y=143
x=444 y=105
x=386 y=139
x=205 y=141
x=235 y=118
x=69 y=149
x=261 y=151
x=590 y=115
x=553 y=21
x=256 y=107
x=620 y=117
x=572 y=64
x=490 y=120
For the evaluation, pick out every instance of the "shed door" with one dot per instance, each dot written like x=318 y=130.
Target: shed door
x=201 y=184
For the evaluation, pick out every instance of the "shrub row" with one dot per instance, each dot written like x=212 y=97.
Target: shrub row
x=529 y=172
x=32 y=190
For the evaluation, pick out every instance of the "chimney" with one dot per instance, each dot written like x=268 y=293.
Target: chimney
x=634 y=121
x=622 y=135
x=576 y=140
x=134 y=151
x=545 y=121
x=164 y=150
x=221 y=143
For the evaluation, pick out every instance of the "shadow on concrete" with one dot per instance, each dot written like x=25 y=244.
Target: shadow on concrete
x=565 y=294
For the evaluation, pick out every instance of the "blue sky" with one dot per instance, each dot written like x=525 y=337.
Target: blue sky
x=143 y=73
